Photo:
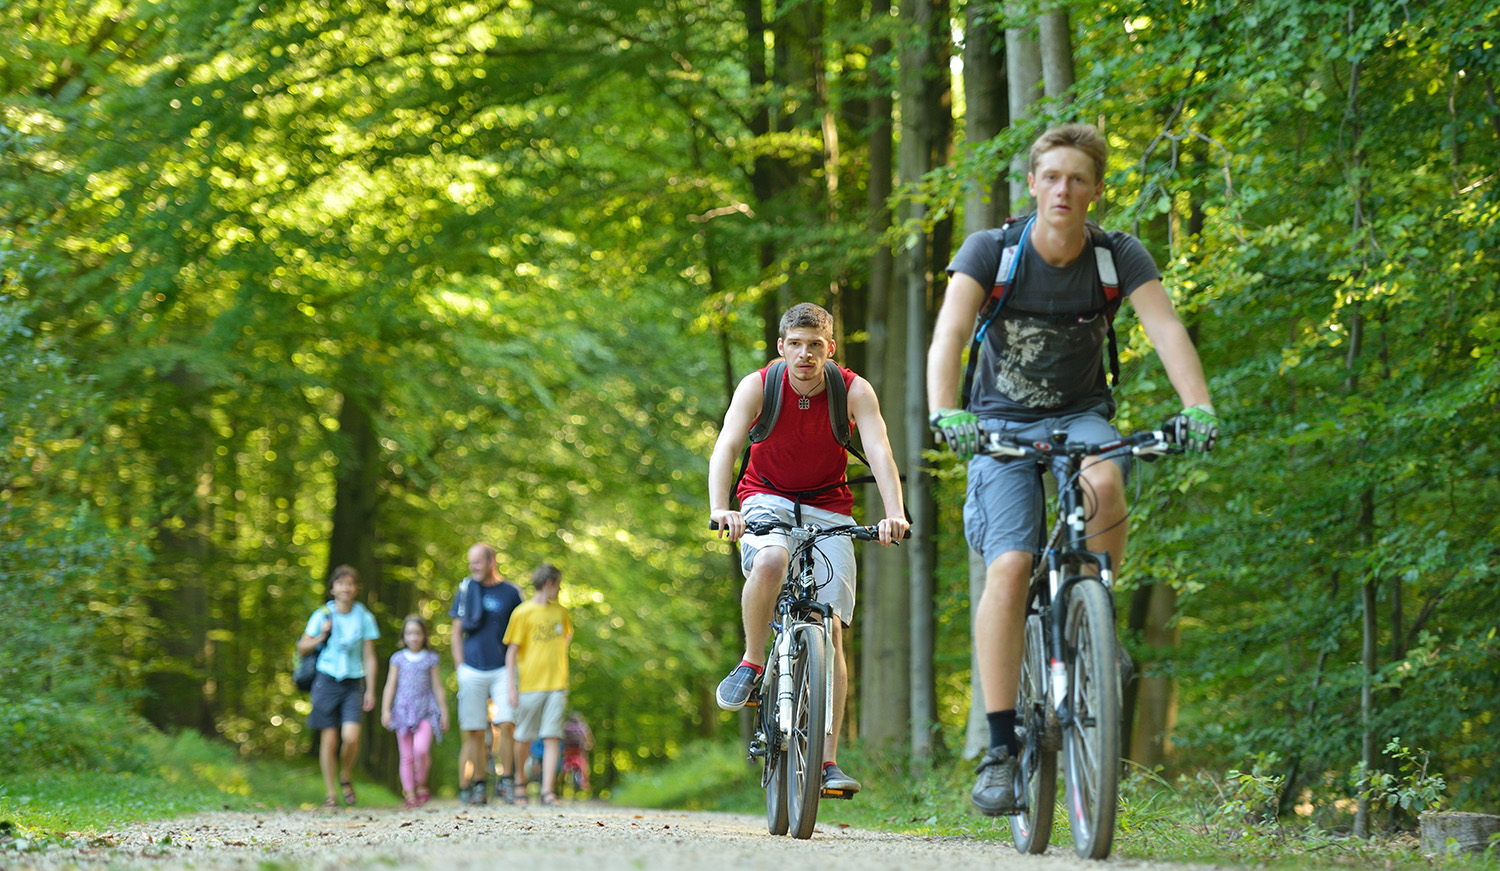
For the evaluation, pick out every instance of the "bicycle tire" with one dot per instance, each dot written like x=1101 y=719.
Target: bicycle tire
x=1031 y=830
x=1091 y=743
x=774 y=779
x=804 y=754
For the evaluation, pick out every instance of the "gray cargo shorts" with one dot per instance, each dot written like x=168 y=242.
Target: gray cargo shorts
x=1005 y=508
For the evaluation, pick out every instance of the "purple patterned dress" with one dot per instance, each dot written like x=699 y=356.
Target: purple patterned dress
x=414 y=700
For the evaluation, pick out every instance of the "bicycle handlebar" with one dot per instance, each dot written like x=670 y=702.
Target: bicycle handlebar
x=1147 y=444
x=762 y=527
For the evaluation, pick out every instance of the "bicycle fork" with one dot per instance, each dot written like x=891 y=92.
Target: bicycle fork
x=1058 y=619
x=784 y=687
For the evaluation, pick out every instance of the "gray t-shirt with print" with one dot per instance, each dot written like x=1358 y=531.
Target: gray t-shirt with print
x=1043 y=355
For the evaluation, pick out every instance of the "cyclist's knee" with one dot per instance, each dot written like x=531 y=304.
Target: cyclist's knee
x=769 y=565
x=1104 y=482
x=1008 y=569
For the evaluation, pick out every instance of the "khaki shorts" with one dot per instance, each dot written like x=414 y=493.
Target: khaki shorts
x=541 y=714
x=834 y=566
x=476 y=689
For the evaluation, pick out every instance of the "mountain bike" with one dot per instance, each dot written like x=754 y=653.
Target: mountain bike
x=794 y=697
x=1069 y=695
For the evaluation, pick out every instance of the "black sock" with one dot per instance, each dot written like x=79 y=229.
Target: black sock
x=1003 y=730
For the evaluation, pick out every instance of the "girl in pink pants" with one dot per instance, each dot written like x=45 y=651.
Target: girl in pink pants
x=415 y=707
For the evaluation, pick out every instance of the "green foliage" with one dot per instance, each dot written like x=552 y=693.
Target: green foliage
x=702 y=776
x=1411 y=787
x=158 y=777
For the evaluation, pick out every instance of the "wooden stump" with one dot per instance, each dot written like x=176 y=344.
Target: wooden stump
x=1469 y=833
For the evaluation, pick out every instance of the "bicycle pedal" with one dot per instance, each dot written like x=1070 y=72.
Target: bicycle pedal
x=845 y=794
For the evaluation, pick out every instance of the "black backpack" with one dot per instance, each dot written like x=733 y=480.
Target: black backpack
x=1011 y=236
x=307 y=664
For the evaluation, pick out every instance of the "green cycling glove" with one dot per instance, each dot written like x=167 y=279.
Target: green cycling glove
x=1195 y=428
x=959 y=428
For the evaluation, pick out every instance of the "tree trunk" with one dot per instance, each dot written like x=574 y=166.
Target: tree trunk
x=882 y=692
x=985 y=206
x=1155 y=701
x=1057 y=53
x=920 y=100
x=1023 y=65
x=352 y=542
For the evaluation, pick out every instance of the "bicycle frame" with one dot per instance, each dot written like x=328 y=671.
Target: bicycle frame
x=796 y=604
x=1066 y=550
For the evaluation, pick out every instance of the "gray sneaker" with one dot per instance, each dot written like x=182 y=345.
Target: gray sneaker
x=994 y=793
x=505 y=789
x=835 y=778
x=735 y=690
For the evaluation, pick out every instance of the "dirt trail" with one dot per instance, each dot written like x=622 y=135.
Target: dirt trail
x=573 y=837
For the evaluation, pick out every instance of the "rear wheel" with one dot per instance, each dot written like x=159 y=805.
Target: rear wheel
x=774 y=777
x=1031 y=829
x=804 y=754
x=1091 y=742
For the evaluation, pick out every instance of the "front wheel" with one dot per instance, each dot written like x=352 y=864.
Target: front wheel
x=774 y=778
x=804 y=752
x=1091 y=741
x=1031 y=829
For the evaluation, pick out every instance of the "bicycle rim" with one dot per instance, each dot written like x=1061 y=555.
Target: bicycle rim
x=774 y=779
x=1091 y=743
x=1031 y=830
x=804 y=752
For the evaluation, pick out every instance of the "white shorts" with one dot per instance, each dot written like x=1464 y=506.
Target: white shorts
x=476 y=689
x=541 y=715
x=834 y=565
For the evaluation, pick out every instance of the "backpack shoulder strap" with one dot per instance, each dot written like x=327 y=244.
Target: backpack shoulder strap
x=838 y=402
x=1104 y=260
x=1011 y=237
x=770 y=407
x=1109 y=280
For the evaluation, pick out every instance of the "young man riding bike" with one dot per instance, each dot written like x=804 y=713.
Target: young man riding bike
x=1041 y=369
x=798 y=469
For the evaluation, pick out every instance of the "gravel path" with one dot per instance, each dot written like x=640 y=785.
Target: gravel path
x=573 y=837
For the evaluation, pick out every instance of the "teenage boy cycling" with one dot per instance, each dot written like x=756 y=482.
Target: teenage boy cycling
x=800 y=456
x=1040 y=370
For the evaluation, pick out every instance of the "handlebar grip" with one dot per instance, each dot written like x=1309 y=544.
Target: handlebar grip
x=872 y=533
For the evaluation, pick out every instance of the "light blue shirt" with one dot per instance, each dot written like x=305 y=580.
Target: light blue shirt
x=343 y=655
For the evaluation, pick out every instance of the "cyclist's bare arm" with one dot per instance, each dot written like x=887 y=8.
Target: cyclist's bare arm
x=744 y=408
x=864 y=409
x=955 y=323
x=1173 y=345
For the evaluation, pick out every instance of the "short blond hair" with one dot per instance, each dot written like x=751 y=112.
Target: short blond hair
x=1084 y=137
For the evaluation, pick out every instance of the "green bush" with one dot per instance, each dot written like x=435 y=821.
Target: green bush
x=46 y=732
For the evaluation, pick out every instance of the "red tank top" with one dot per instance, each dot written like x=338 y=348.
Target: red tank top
x=800 y=454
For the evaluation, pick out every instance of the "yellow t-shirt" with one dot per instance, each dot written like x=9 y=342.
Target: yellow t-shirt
x=541 y=634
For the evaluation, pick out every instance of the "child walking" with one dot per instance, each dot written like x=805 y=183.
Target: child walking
x=415 y=707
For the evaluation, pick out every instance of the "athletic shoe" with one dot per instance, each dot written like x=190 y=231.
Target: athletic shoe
x=994 y=792
x=735 y=690
x=835 y=778
x=505 y=789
